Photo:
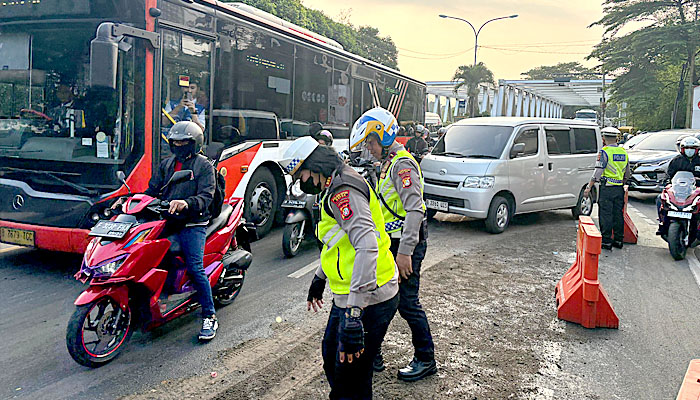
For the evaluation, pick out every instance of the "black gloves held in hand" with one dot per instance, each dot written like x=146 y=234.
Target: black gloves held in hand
x=351 y=334
x=318 y=285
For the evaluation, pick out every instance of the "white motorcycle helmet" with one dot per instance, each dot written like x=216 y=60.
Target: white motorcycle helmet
x=689 y=146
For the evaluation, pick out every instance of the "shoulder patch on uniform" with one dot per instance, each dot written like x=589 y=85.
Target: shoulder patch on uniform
x=599 y=153
x=405 y=175
x=342 y=201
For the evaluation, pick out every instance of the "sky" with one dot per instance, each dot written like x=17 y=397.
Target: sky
x=431 y=48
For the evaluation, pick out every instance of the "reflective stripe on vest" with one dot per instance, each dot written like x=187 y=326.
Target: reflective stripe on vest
x=614 y=172
x=385 y=187
x=338 y=255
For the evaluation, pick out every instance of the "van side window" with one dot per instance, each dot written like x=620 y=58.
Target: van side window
x=558 y=141
x=529 y=138
x=585 y=141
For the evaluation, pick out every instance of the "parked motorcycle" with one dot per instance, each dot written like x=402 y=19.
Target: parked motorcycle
x=680 y=205
x=299 y=210
x=126 y=266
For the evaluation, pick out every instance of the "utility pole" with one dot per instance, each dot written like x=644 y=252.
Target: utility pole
x=691 y=78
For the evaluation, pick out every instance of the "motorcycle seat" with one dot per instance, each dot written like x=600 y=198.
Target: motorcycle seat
x=220 y=221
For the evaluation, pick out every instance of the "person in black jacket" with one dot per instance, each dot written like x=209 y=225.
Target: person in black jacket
x=189 y=211
x=688 y=160
x=416 y=145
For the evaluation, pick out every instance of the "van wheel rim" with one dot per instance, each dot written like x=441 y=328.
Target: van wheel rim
x=586 y=205
x=502 y=215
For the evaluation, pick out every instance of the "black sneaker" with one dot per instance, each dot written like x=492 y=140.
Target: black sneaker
x=209 y=326
x=378 y=363
x=617 y=245
x=417 y=370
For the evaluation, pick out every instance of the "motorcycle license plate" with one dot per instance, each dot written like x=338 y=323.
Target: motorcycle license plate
x=293 y=204
x=110 y=229
x=678 y=214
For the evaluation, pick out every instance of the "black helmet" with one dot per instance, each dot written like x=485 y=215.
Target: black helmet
x=187 y=130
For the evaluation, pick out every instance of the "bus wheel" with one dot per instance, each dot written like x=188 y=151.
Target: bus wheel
x=261 y=201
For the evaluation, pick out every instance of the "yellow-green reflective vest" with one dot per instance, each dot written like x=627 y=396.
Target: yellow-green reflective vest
x=617 y=163
x=338 y=255
x=385 y=187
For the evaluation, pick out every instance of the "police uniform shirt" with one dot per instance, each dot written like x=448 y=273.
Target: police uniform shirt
x=405 y=176
x=352 y=213
x=602 y=163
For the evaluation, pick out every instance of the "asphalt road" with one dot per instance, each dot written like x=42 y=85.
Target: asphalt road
x=37 y=291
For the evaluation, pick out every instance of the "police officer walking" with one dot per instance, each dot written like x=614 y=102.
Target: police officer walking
x=355 y=261
x=612 y=171
x=400 y=191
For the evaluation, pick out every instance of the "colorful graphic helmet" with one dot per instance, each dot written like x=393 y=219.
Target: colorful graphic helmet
x=296 y=153
x=376 y=121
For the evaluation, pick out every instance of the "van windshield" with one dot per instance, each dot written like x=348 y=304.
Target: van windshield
x=474 y=141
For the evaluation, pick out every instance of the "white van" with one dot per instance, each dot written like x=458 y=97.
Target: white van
x=493 y=168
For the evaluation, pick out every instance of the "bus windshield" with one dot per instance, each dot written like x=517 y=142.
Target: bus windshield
x=586 y=115
x=49 y=115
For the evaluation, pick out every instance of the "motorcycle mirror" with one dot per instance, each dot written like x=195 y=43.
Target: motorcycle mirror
x=122 y=178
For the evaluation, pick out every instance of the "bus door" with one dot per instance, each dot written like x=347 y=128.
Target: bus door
x=185 y=83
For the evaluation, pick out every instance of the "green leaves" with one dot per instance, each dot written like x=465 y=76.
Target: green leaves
x=549 y=72
x=471 y=76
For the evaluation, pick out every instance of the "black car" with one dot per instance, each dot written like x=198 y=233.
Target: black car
x=649 y=159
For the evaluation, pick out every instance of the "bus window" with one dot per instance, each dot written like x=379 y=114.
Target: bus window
x=312 y=79
x=186 y=61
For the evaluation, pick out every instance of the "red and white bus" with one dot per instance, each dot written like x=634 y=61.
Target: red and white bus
x=85 y=86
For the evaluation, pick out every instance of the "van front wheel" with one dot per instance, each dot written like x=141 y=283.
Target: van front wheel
x=499 y=215
x=584 y=206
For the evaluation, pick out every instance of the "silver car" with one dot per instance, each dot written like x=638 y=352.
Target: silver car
x=494 y=168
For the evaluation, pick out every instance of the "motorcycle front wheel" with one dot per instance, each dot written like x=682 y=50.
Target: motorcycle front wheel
x=97 y=332
x=291 y=239
x=676 y=240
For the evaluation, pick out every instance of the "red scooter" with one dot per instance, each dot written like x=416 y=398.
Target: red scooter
x=680 y=211
x=126 y=266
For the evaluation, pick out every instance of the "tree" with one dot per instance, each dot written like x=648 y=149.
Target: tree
x=573 y=69
x=363 y=41
x=649 y=62
x=471 y=76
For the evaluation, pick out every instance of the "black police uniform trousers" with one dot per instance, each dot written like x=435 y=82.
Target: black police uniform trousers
x=610 y=213
x=410 y=308
x=354 y=380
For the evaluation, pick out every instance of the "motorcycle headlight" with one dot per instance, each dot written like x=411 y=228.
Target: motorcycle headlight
x=109 y=267
x=481 y=182
x=296 y=189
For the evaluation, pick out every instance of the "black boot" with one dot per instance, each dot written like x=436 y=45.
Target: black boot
x=378 y=363
x=417 y=370
x=606 y=246
x=617 y=244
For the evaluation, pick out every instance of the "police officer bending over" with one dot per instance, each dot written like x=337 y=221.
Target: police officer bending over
x=612 y=171
x=400 y=190
x=356 y=262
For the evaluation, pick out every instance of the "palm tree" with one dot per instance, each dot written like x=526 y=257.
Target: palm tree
x=471 y=76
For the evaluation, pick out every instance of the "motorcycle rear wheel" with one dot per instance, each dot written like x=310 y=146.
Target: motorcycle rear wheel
x=291 y=239
x=225 y=297
x=108 y=329
x=676 y=236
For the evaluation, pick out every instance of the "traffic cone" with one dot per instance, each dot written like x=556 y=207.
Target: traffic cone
x=631 y=233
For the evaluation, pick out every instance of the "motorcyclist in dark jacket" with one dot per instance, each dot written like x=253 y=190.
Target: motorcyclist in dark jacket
x=688 y=160
x=189 y=209
x=417 y=145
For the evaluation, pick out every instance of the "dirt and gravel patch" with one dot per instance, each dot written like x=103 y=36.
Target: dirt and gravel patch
x=493 y=319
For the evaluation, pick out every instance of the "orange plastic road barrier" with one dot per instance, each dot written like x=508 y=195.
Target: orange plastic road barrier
x=631 y=234
x=580 y=297
x=690 y=389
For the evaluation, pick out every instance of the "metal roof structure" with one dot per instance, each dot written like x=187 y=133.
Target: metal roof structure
x=563 y=91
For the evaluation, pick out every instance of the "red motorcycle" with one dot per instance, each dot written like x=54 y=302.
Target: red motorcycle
x=127 y=266
x=680 y=210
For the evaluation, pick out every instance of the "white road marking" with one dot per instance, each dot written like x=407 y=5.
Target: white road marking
x=11 y=248
x=694 y=265
x=305 y=270
x=425 y=266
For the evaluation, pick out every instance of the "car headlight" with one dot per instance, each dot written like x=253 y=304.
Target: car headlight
x=108 y=268
x=481 y=182
x=296 y=189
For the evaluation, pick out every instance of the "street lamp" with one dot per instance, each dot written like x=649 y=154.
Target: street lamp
x=476 y=32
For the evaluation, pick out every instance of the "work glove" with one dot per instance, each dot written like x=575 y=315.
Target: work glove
x=351 y=334
x=316 y=289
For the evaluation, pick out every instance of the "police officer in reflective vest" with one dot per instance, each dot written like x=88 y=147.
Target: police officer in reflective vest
x=355 y=261
x=612 y=171
x=400 y=191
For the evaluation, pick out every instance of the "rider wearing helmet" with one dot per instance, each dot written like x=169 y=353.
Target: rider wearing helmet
x=324 y=137
x=189 y=204
x=356 y=262
x=400 y=189
x=417 y=145
x=687 y=160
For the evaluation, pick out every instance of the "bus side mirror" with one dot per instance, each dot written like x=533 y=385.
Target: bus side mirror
x=104 y=55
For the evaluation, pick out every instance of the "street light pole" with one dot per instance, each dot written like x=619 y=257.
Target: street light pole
x=477 y=31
